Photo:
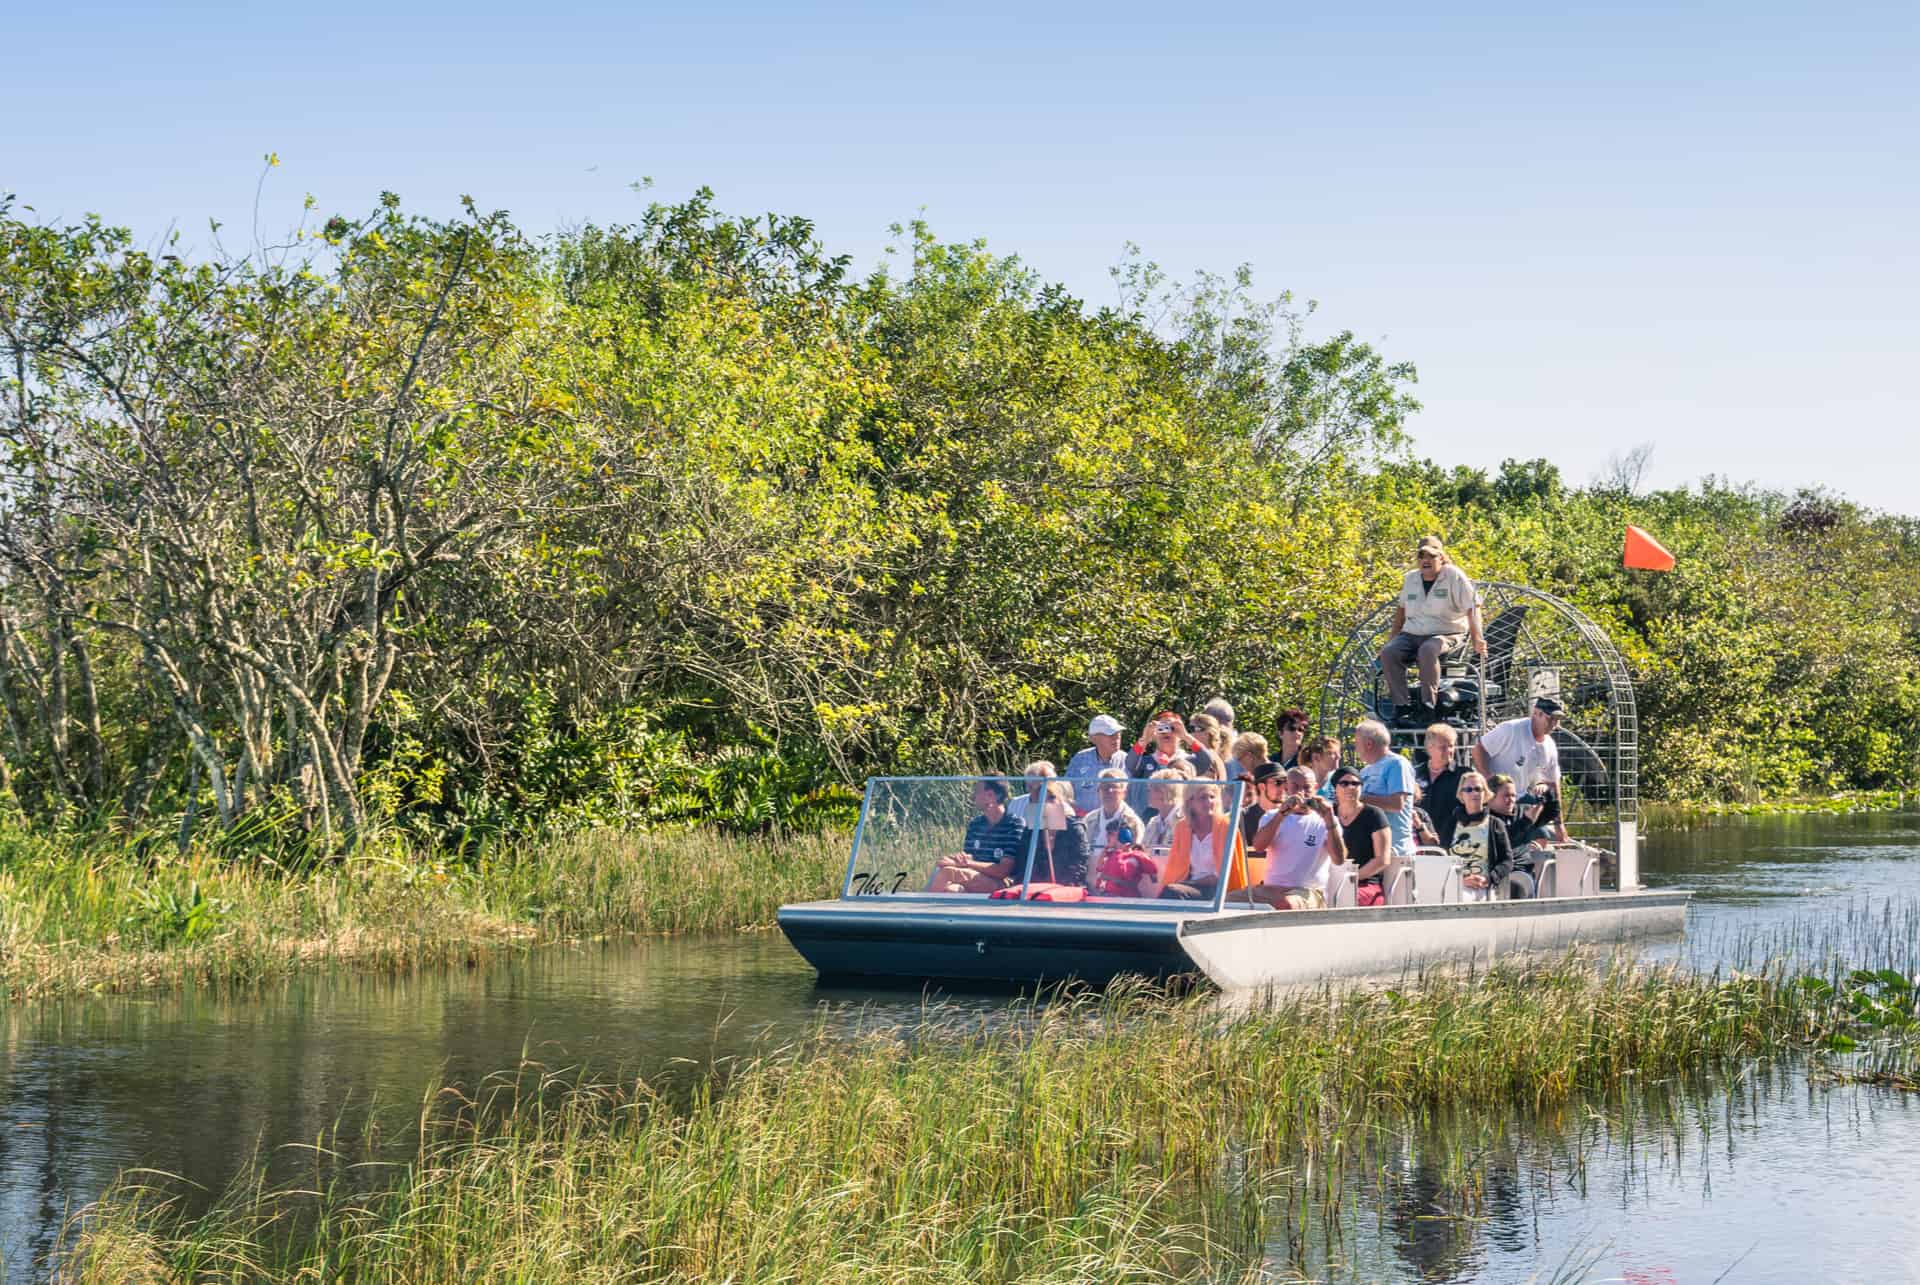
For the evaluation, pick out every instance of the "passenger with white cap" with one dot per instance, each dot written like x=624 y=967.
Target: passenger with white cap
x=1084 y=768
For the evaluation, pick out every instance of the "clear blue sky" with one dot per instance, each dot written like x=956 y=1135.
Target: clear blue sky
x=1688 y=225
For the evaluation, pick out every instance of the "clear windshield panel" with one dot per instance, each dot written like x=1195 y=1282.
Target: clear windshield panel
x=983 y=837
x=921 y=835
x=1148 y=848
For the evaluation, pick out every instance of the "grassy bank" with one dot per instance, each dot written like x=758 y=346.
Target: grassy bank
x=75 y=919
x=1129 y=1137
x=77 y=916
x=1657 y=816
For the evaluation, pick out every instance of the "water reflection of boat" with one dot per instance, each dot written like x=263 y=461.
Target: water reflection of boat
x=884 y=925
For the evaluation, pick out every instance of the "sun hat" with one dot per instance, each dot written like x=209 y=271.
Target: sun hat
x=1104 y=725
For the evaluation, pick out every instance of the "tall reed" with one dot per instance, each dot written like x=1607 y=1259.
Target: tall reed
x=75 y=918
x=1129 y=1136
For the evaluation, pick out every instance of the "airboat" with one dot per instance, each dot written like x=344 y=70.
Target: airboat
x=886 y=924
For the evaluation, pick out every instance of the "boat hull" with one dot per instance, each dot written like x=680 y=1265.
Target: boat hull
x=1237 y=949
x=1246 y=951
x=982 y=941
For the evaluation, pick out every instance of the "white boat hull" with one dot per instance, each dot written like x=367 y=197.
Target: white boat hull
x=868 y=938
x=1280 y=948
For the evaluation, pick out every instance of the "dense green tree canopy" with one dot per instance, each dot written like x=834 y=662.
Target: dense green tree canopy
x=429 y=523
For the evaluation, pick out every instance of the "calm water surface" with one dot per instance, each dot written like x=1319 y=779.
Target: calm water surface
x=1766 y=1179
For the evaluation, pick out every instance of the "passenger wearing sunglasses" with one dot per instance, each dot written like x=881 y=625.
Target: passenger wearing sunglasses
x=1302 y=843
x=1368 y=835
x=1480 y=842
x=1293 y=734
x=1261 y=795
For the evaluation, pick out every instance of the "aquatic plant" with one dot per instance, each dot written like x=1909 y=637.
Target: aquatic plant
x=1871 y=1022
x=1658 y=815
x=1125 y=1136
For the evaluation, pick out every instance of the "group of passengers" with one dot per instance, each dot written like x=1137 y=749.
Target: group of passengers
x=1303 y=809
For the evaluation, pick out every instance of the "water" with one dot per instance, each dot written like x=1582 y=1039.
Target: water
x=1791 y=1181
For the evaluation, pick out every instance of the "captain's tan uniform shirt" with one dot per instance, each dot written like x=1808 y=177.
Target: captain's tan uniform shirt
x=1439 y=609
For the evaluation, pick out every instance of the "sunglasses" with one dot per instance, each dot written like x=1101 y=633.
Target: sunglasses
x=1471 y=789
x=1341 y=785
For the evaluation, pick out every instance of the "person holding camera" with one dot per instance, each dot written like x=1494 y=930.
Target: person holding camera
x=1523 y=814
x=1111 y=818
x=1524 y=750
x=1303 y=843
x=1165 y=748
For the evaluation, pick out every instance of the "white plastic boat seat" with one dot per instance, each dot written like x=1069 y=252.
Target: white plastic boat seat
x=1397 y=882
x=1342 y=887
x=1545 y=870
x=1572 y=871
x=1436 y=879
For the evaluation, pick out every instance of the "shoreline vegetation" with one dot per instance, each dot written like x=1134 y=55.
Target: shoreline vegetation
x=1131 y=1135
x=475 y=533
x=76 y=919
x=1658 y=816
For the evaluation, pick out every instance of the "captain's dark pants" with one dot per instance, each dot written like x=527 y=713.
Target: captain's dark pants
x=1404 y=649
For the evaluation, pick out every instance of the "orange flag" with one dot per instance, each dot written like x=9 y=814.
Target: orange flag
x=1644 y=553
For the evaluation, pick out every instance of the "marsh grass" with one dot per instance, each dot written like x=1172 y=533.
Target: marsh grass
x=75 y=918
x=1124 y=1136
x=1657 y=816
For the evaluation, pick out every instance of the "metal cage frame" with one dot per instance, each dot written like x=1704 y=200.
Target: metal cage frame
x=1537 y=644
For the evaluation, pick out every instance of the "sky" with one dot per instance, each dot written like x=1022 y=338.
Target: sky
x=1590 y=227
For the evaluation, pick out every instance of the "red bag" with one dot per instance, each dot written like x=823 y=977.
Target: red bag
x=1122 y=870
x=1042 y=891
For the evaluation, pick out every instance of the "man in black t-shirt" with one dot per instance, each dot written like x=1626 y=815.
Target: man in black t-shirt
x=1269 y=785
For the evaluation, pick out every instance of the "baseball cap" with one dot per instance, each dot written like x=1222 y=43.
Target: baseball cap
x=1429 y=542
x=1268 y=771
x=1548 y=705
x=1104 y=725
